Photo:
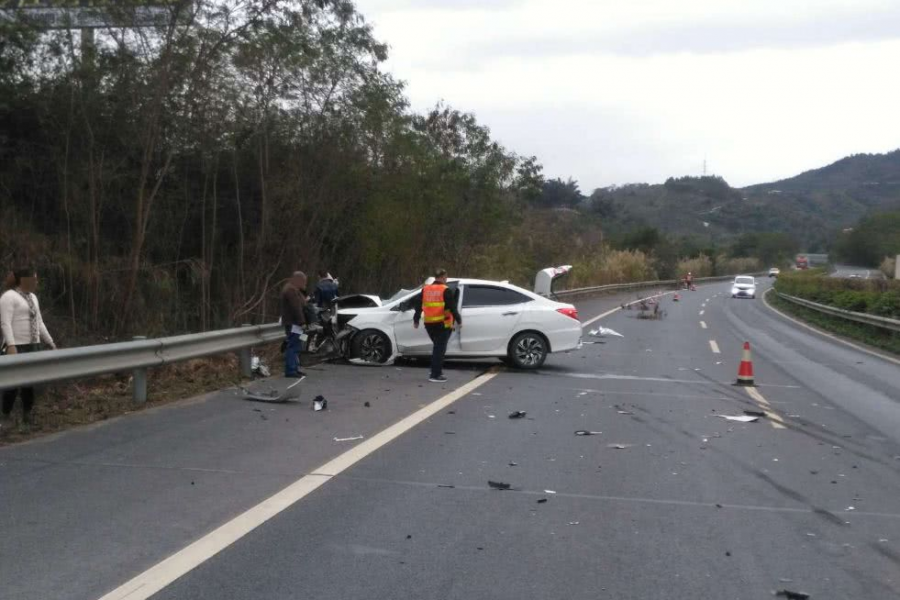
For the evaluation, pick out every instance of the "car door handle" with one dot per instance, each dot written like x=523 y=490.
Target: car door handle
x=509 y=314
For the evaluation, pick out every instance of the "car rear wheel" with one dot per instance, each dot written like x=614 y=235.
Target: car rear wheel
x=528 y=350
x=371 y=346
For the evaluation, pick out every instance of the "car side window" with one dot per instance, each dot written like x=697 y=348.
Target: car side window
x=486 y=295
x=409 y=303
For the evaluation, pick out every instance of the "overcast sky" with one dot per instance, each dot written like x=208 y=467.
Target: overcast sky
x=612 y=92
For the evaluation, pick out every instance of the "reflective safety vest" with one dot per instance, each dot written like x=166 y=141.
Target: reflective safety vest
x=433 y=308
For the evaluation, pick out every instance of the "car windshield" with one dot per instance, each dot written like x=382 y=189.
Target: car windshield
x=744 y=280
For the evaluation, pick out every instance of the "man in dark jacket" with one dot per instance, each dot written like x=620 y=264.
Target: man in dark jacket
x=438 y=302
x=293 y=318
x=326 y=289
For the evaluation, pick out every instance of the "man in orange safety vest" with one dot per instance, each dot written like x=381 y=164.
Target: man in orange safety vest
x=438 y=305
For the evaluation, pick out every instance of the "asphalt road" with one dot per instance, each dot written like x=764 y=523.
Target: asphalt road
x=846 y=271
x=689 y=506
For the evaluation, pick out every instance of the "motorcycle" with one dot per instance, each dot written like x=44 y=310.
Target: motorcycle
x=324 y=341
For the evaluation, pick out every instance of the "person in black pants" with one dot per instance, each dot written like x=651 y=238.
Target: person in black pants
x=438 y=303
x=23 y=332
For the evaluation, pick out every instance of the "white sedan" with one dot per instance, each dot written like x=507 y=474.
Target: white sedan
x=499 y=320
x=744 y=286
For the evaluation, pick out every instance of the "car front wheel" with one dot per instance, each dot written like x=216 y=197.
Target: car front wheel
x=528 y=350
x=371 y=346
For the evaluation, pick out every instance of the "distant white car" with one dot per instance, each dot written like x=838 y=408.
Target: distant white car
x=774 y=272
x=744 y=286
x=499 y=320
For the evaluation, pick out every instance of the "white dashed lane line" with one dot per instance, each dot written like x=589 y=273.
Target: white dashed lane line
x=714 y=347
x=703 y=324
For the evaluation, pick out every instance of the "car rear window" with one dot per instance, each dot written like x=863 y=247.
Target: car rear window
x=486 y=295
x=744 y=280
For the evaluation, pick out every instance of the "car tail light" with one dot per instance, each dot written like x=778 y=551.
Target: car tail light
x=569 y=312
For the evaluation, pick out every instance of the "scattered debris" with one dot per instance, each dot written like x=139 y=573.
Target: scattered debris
x=349 y=439
x=625 y=412
x=754 y=413
x=519 y=414
x=619 y=446
x=849 y=508
x=543 y=500
x=320 y=403
x=514 y=464
x=603 y=331
x=585 y=432
x=549 y=492
x=367 y=405
x=409 y=537
x=441 y=485
x=790 y=595
x=499 y=485
x=742 y=419
x=258 y=367
x=574 y=523
x=449 y=433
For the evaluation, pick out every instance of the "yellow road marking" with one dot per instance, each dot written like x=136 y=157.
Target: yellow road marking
x=773 y=417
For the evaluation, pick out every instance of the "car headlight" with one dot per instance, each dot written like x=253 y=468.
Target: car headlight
x=734 y=290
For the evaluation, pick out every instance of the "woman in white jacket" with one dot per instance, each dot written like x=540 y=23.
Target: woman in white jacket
x=23 y=331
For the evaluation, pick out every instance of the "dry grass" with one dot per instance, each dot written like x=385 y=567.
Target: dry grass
x=612 y=266
x=702 y=266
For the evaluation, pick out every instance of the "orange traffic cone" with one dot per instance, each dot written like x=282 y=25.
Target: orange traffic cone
x=745 y=372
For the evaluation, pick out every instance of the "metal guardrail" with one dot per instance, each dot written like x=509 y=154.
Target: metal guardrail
x=874 y=320
x=617 y=287
x=136 y=356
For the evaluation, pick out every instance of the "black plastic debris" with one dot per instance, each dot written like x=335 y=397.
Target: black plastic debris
x=791 y=595
x=513 y=464
x=320 y=403
x=754 y=413
x=443 y=485
x=409 y=537
x=499 y=485
x=519 y=414
x=542 y=501
x=367 y=404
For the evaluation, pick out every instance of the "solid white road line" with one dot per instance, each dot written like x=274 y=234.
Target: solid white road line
x=703 y=324
x=158 y=577
x=714 y=347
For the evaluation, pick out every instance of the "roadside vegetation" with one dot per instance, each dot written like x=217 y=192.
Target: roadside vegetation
x=860 y=332
x=876 y=297
x=872 y=296
x=873 y=242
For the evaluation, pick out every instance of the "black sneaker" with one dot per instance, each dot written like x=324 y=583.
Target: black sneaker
x=438 y=379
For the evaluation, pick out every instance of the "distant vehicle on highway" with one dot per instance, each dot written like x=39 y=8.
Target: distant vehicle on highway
x=744 y=286
x=802 y=263
x=774 y=272
x=500 y=320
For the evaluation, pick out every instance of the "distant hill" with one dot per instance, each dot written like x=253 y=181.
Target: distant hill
x=811 y=206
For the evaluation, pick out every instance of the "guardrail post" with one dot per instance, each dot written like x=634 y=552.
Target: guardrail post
x=245 y=359
x=139 y=380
